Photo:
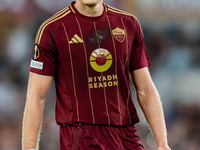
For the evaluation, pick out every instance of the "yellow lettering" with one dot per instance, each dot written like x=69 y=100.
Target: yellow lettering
x=90 y=86
x=100 y=85
x=104 y=78
x=95 y=79
x=109 y=77
x=110 y=83
x=103 y=81
x=90 y=79
x=105 y=84
x=114 y=77
x=99 y=78
x=95 y=85
x=115 y=83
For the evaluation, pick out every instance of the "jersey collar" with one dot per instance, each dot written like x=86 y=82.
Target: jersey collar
x=79 y=15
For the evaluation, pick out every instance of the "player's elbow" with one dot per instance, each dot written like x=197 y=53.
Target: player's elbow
x=147 y=94
x=35 y=100
x=142 y=93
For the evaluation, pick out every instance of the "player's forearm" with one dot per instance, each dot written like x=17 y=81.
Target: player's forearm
x=31 y=123
x=151 y=105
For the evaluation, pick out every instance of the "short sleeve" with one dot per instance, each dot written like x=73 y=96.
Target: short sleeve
x=44 y=53
x=139 y=57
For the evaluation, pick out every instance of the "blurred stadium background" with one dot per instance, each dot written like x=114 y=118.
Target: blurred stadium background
x=172 y=36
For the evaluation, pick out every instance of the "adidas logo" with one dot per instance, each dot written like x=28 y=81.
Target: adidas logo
x=76 y=39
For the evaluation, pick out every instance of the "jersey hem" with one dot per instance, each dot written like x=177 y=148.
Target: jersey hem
x=41 y=73
x=140 y=67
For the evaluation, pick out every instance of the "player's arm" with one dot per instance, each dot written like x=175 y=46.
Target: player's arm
x=37 y=89
x=151 y=106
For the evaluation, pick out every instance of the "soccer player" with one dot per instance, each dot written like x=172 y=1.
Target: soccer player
x=90 y=48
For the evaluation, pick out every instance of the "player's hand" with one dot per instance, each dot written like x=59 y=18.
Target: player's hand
x=164 y=148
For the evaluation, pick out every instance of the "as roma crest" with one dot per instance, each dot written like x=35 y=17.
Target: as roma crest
x=119 y=34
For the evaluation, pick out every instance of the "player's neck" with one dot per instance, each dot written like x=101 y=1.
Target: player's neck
x=89 y=10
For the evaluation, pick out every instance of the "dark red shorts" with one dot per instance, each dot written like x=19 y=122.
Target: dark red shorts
x=95 y=137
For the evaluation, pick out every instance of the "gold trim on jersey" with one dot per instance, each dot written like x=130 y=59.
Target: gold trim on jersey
x=96 y=34
x=56 y=17
x=115 y=10
x=120 y=113
x=51 y=18
x=77 y=104
x=119 y=11
x=87 y=71
x=126 y=43
x=125 y=68
x=105 y=6
x=106 y=103
x=122 y=13
x=128 y=99
x=72 y=8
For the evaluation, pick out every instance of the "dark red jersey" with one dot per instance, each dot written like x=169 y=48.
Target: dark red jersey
x=90 y=59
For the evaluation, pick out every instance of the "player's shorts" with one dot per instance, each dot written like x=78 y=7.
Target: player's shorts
x=95 y=137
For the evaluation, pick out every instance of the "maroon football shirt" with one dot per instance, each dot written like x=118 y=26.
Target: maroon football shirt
x=90 y=59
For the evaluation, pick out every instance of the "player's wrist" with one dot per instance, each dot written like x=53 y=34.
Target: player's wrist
x=164 y=148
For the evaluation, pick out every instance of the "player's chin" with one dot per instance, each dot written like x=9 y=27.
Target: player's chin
x=91 y=3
